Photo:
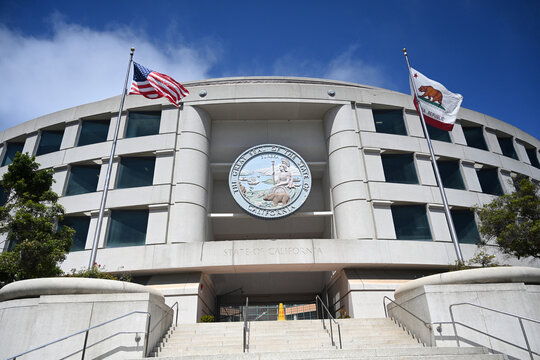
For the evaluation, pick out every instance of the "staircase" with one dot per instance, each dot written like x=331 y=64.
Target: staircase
x=362 y=339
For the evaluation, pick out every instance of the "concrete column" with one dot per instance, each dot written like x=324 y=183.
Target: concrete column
x=352 y=212
x=189 y=212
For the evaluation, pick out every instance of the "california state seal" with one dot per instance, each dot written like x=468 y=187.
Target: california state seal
x=270 y=181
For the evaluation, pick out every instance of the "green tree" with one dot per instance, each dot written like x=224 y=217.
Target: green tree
x=28 y=218
x=514 y=220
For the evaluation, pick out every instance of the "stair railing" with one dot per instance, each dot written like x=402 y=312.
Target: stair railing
x=165 y=315
x=85 y=345
x=246 y=324
x=520 y=319
x=330 y=320
x=428 y=325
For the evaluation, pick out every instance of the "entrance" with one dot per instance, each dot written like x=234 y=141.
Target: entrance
x=265 y=291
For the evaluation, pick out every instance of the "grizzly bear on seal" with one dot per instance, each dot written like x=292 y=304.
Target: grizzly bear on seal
x=431 y=94
x=282 y=198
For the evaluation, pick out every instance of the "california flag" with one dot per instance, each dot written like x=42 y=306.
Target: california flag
x=439 y=106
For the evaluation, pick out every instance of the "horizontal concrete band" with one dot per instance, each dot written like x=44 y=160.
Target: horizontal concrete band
x=502 y=274
x=69 y=286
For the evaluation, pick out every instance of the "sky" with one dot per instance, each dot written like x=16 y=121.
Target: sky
x=59 y=54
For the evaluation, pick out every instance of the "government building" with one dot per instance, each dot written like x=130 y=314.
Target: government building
x=274 y=189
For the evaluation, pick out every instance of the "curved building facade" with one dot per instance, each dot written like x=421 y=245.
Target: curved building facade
x=373 y=218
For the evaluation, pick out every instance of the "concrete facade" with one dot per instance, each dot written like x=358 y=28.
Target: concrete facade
x=447 y=303
x=39 y=311
x=200 y=246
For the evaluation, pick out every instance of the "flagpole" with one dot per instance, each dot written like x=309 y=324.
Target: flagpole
x=93 y=254
x=453 y=234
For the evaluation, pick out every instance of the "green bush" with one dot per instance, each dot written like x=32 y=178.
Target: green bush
x=98 y=272
x=207 y=318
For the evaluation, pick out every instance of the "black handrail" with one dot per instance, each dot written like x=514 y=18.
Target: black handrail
x=330 y=318
x=147 y=331
x=245 y=312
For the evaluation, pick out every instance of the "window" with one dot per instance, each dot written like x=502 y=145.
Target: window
x=399 y=168
x=143 y=123
x=475 y=137
x=135 y=171
x=507 y=147
x=3 y=196
x=389 y=121
x=489 y=181
x=127 y=228
x=438 y=134
x=450 y=174
x=82 y=179
x=531 y=153
x=80 y=224
x=11 y=150
x=93 y=132
x=49 y=142
x=410 y=222
x=466 y=229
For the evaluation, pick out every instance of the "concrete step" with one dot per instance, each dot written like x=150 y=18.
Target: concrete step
x=441 y=353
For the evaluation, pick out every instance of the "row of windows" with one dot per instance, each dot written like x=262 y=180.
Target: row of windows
x=390 y=121
x=128 y=227
x=91 y=132
x=400 y=168
x=411 y=223
x=132 y=172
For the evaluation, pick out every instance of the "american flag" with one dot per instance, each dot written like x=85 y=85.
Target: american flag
x=153 y=85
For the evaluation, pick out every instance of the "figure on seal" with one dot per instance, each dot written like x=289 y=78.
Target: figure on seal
x=431 y=94
x=284 y=187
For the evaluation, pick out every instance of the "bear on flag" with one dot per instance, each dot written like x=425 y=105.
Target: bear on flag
x=439 y=106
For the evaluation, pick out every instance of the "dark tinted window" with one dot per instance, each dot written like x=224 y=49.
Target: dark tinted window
x=82 y=179
x=399 y=168
x=532 y=154
x=475 y=137
x=80 y=224
x=49 y=142
x=389 y=121
x=127 y=228
x=489 y=181
x=451 y=175
x=410 y=222
x=507 y=147
x=93 y=132
x=438 y=134
x=11 y=150
x=465 y=225
x=135 y=171
x=143 y=123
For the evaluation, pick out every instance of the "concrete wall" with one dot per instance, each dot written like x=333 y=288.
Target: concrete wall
x=431 y=304
x=32 y=322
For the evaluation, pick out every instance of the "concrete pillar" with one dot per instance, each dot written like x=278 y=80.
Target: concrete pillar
x=189 y=212
x=352 y=212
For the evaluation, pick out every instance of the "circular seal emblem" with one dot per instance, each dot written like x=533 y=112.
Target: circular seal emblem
x=270 y=181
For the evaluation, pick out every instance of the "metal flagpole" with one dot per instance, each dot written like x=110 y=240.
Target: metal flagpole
x=109 y=169
x=436 y=169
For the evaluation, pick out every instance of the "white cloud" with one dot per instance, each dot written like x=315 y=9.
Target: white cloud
x=77 y=65
x=344 y=67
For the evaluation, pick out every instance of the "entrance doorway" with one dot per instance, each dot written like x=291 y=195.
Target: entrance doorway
x=265 y=291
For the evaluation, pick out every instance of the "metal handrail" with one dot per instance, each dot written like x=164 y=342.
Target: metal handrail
x=147 y=331
x=520 y=319
x=167 y=313
x=245 y=330
x=426 y=324
x=330 y=318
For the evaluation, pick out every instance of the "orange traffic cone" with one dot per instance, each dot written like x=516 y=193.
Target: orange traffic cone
x=281 y=314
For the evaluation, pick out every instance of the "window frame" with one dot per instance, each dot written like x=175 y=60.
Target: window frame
x=406 y=208
x=390 y=110
x=481 y=129
x=496 y=170
x=120 y=172
x=82 y=131
x=459 y=172
x=127 y=131
x=111 y=227
x=41 y=137
x=387 y=171
x=69 y=178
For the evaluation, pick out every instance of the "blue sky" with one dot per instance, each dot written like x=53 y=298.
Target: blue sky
x=58 y=54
